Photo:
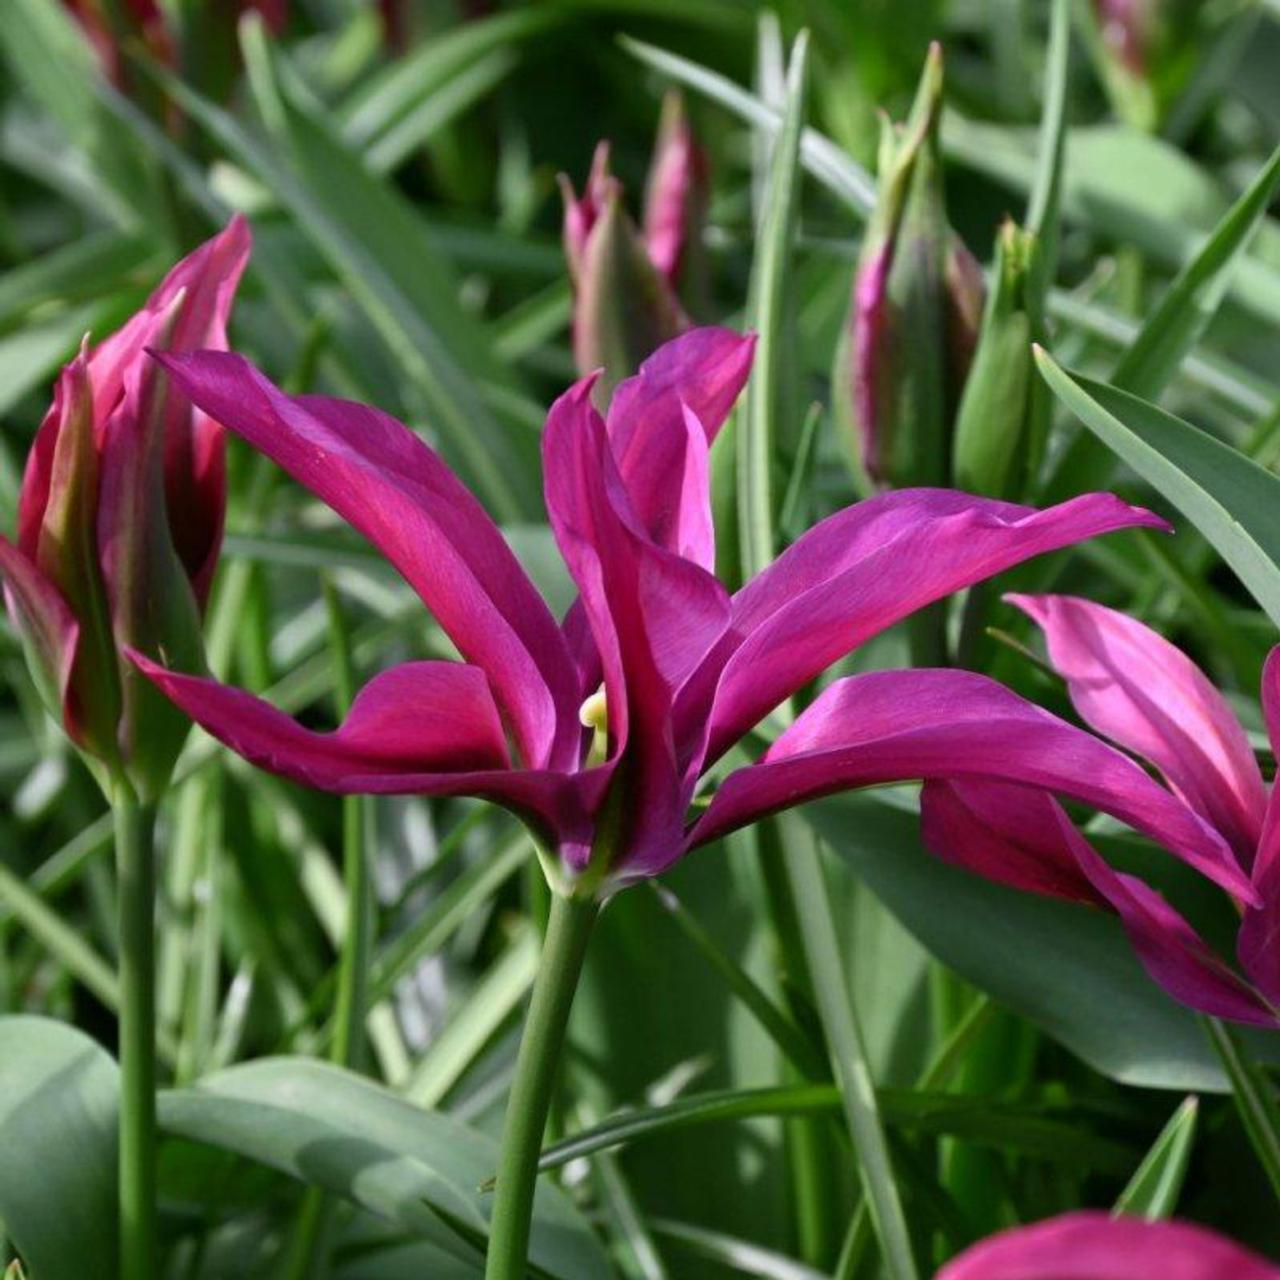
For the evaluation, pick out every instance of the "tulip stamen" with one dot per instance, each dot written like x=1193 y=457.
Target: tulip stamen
x=594 y=715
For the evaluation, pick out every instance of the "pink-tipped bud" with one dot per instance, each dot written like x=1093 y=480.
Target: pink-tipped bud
x=120 y=521
x=915 y=313
x=628 y=282
x=675 y=206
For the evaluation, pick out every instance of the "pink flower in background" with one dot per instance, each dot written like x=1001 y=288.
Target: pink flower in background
x=598 y=730
x=626 y=281
x=1096 y=1246
x=120 y=519
x=1136 y=688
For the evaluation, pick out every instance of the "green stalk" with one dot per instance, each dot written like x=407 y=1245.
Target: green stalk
x=802 y=860
x=309 y=1246
x=135 y=868
x=568 y=929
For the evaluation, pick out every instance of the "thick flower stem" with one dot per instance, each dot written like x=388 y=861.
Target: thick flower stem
x=568 y=930
x=134 y=825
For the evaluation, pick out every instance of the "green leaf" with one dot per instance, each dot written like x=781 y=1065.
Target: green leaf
x=1192 y=300
x=1230 y=500
x=988 y=1122
x=840 y=174
x=1255 y=1097
x=375 y=243
x=1153 y=1190
x=1070 y=969
x=1043 y=205
x=1128 y=186
x=1175 y=326
x=332 y=1129
x=59 y=1094
x=769 y=275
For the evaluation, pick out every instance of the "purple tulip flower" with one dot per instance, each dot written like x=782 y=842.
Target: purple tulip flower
x=598 y=731
x=1134 y=687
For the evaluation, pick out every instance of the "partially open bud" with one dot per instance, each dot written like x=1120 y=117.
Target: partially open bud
x=120 y=522
x=628 y=283
x=917 y=303
x=1000 y=423
x=1147 y=51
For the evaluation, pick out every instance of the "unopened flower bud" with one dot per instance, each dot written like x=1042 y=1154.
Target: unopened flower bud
x=120 y=522
x=628 y=282
x=916 y=307
x=999 y=426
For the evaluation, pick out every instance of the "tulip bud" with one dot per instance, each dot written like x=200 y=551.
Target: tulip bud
x=120 y=522
x=676 y=196
x=999 y=426
x=626 y=299
x=1147 y=51
x=917 y=302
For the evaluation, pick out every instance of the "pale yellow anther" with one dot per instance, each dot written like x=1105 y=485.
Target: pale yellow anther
x=594 y=715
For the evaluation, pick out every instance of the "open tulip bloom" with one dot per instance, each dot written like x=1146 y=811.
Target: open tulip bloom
x=1137 y=689
x=598 y=731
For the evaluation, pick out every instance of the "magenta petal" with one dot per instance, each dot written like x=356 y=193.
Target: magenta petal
x=865 y=568
x=1095 y=1246
x=651 y=614
x=1259 y=940
x=891 y=726
x=661 y=423
x=381 y=478
x=51 y=633
x=998 y=831
x=1021 y=837
x=423 y=728
x=1132 y=685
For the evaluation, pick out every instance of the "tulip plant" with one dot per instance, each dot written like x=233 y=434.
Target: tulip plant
x=719 y=720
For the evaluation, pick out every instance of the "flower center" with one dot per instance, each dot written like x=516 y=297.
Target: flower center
x=594 y=715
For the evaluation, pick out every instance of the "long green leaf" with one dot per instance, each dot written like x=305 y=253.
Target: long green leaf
x=59 y=1101
x=1229 y=499
x=1067 y=968
x=335 y=1130
x=842 y=175
x=1024 y=1129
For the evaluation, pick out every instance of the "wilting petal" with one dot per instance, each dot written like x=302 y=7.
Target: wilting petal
x=651 y=614
x=661 y=423
x=891 y=726
x=863 y=569
x=423 y=728
x=1139 y=690
x=1096 y=1246
x=1022 y=837
x=382 y=479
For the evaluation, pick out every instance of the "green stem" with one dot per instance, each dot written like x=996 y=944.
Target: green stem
x=309 y=1246
x=803 y=865
x=568 y=929
x=135 y=864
